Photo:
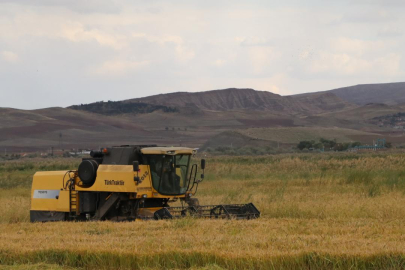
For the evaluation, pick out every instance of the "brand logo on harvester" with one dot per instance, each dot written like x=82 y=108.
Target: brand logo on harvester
x=144 y=175
x=114 y=182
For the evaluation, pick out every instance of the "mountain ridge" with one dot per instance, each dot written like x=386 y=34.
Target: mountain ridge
x=195 y=118
x=362 y=94
x=233 y=99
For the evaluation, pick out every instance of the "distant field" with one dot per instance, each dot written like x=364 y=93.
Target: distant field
x=296 y=134
x=319 y=211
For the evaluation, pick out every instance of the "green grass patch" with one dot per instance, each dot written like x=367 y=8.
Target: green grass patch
x=19 y=173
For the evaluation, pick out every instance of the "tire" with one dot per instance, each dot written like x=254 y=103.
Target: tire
x=193 y=202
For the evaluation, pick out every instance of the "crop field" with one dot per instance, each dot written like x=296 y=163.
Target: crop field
x=295 y=134
x=319 y=211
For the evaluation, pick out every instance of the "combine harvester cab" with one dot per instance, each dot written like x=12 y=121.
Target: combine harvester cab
x=126 y=183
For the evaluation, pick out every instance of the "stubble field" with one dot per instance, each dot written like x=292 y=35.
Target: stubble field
x=319 y=211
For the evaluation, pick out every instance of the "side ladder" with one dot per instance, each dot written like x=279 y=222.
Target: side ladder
x=73 y=202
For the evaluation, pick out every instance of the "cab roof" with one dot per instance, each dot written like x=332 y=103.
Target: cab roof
x=168 y=150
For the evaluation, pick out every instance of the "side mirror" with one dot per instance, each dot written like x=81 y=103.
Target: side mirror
x=202 y=164
x=136 y=166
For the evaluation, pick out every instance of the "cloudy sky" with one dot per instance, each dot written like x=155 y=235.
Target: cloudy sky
x=64 y=52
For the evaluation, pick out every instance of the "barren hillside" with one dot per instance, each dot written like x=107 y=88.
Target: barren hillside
x=211 y=118
x=362 y=94
x=233 y=99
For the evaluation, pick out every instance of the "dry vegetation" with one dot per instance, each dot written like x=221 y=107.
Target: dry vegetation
x=319 y=211
x=295 y=134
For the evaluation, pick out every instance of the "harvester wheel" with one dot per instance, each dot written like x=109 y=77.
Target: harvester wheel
x=193 y=202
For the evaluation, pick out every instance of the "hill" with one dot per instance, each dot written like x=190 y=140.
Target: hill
x=23 y=130
x=234 y=99
x=211 y=118
x=219 y=100
x=362 y=94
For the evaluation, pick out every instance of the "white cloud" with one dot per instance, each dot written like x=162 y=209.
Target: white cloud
x=87 y=6
x=390 y=31
x=117 y=67
x=219 y=62
x=9 y=56
x=357 y=46
x=184 y=53
x=346 y=64
x=304 y=54
x=340 y=63
x=253 y=41
x=368 y=16
x=389 y=65
x=284 y=47
x=75 y=32
x=262 y=58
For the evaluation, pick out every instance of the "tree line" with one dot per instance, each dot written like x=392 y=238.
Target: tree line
x=119 y=107
x=326 y=145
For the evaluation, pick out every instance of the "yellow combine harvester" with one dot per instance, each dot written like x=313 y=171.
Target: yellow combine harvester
x=126 y=183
